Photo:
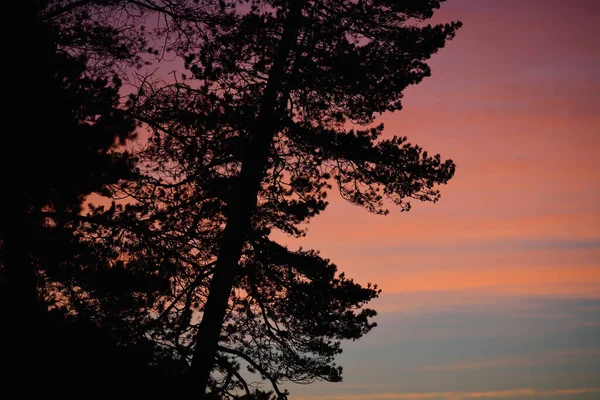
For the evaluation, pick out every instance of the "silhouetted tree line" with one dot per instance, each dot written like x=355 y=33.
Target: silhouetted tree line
x=177 y=287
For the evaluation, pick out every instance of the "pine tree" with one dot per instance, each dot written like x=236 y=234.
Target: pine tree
x=252 y=142
x=278 y=109
x=296 y=73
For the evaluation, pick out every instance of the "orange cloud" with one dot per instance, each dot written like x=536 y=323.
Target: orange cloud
x=433 y=226
x=524 y=360
x=514 y=280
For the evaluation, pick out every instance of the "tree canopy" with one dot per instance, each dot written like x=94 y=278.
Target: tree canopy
x=277 y=107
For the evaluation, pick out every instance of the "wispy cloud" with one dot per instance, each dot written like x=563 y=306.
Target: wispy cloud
x=501 y=394
x=524 y=360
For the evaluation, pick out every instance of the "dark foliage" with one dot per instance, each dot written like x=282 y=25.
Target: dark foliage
x=64 y=146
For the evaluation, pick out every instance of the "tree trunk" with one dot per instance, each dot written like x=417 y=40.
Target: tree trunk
x=241 y=207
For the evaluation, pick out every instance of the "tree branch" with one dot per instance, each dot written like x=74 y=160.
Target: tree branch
x=258 y=367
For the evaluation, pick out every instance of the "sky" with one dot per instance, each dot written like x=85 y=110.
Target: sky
x=494 y=292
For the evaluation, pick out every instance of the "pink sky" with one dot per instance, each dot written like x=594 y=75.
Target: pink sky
x=513 y=101
x=494 y=292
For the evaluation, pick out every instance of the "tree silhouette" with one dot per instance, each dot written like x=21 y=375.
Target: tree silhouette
x=73 y=126
x=71 y=130
x=295 y=72
x=251 y=142
x=64 y=147
x=64 y=150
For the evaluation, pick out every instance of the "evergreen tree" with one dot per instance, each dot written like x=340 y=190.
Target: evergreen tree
x=278 y=109
x=294 y=74
x=252 y=142
x=63 y=145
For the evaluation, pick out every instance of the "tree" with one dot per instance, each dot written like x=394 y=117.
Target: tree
x=71 y=130
x=73 y=124
x=64 y=150
x=81 y=50
x=63 y=145
x=297 y=72
x=252 y=143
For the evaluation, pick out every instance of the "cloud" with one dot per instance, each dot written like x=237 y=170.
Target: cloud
x=504 y=279
x=524 y=360
x=501 y=394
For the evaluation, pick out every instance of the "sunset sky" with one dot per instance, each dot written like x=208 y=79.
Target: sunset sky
x=494 y=292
